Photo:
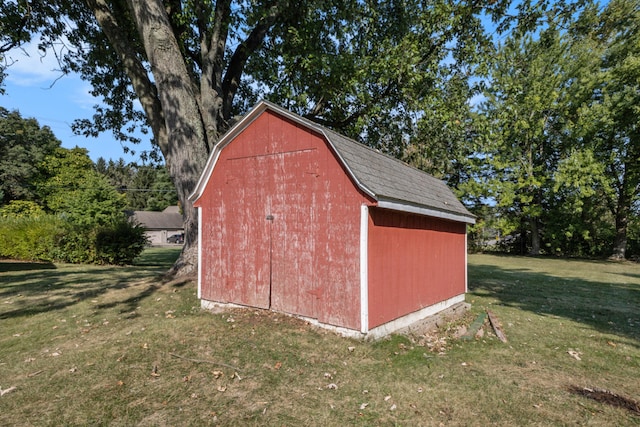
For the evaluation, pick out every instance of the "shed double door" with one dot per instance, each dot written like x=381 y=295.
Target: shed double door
x=272 y=248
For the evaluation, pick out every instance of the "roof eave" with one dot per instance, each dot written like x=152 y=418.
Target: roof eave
x=467 y=218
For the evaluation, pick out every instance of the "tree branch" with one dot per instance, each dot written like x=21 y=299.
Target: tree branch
x=219 y=38
x=243 y=51
x=15 y=35
x=349 y=120
x=144 y=88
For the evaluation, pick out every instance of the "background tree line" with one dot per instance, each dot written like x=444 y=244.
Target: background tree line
x=557 y=136
x=527 y=108
x=56 y=204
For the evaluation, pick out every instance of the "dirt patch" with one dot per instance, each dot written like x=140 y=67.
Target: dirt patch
x=607 y=397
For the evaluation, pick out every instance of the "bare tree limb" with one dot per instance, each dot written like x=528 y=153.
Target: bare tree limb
x=142 y=85
x=243 y=51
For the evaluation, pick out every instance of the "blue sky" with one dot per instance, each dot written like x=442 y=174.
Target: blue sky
x=34 y=88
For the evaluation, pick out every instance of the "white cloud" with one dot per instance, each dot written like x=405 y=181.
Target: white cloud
x=28 y=66
x=82 y=96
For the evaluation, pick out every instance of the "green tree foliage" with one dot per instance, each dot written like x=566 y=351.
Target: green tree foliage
x=80 y=218
x=608 y=114
x=21 y=208
x=71 y=187
x=158 y=191
x=526 y=112
x=562 y=143
x=362 y=67
x=23 y=147
x=147 y=187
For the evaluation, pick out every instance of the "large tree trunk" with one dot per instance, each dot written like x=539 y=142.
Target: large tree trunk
x=622 y=220
x=186 y=115
x=535 y=237
x=184 y=145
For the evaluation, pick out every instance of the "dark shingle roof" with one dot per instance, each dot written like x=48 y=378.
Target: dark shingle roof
x=390 y=181
x=169 y=219
x=393 y=180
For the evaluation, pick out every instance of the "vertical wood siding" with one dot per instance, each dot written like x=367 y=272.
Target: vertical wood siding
x=280 y=225
x=414 y=262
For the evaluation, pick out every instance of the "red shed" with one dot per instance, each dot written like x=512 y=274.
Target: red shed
x=296 y=218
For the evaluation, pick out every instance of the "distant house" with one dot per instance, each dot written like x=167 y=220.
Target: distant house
x=161 y=226
x=296 y=218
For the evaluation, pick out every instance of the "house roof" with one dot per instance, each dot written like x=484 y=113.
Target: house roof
x=169 y=219
x=391 y=182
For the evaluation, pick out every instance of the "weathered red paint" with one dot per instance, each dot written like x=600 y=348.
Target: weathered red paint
x=415 y=261
x=280 y=225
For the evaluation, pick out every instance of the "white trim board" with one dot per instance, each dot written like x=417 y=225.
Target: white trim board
x=403 y=207
x=364 y=268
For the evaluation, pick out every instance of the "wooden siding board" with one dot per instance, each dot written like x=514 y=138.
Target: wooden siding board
x=414 y=262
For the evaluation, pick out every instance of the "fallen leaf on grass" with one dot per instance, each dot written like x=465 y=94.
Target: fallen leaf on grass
x=217 y=374
x=393 y=407
x=222 y=388
x=574 y=354
x=9 y=390
x=387 y=398
x=612 y=344
x=363 y=406
x=277 y=366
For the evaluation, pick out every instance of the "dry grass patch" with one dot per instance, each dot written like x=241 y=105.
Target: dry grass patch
x=115 y=346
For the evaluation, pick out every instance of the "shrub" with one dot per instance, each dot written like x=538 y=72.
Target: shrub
x=30 y=238
x=119 y=243
x=53 y=238
x=76 y=244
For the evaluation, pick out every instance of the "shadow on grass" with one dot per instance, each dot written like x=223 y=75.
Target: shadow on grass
x=6 y=266
x=37 y=289
x=607 y=307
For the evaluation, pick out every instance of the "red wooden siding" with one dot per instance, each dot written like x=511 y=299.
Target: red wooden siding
x=280 y=225
x=414 y=262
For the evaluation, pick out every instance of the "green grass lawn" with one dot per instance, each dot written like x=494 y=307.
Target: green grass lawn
x=89 y=345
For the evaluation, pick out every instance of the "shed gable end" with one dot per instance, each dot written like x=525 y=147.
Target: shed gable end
x=280 y=225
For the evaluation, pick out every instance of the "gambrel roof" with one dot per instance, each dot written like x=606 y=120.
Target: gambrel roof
x=389 y=181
